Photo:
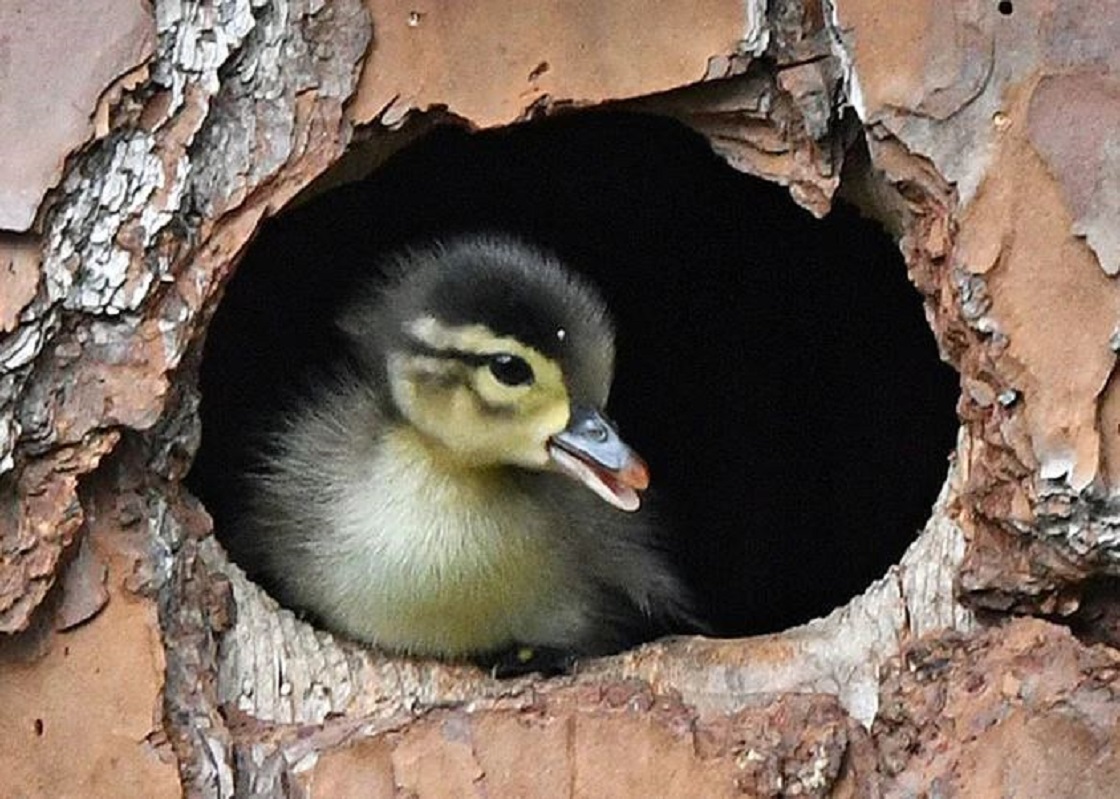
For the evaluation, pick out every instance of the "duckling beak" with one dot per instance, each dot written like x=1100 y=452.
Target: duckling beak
x=590 y=450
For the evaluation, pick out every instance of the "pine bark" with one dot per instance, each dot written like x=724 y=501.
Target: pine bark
x=136 y=660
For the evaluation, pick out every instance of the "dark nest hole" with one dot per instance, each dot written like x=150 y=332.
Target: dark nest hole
x=775 y=370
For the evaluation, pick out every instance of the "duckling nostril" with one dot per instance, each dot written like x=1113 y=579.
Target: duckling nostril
x=591 y=426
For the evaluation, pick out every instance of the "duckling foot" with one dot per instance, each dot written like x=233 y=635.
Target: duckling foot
x=521 y=660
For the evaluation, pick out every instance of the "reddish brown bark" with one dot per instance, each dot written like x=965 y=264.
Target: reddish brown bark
x=131 y=641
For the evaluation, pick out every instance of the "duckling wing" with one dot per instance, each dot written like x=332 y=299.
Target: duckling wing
x=622 y=560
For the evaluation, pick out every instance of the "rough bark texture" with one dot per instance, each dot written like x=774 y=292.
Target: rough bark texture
x=139 y=661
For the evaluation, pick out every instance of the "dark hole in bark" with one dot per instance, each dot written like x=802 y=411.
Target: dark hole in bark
x=775 y=370
x=1005 y=7
x=1097 y=619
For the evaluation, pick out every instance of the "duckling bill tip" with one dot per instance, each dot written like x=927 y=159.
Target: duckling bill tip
x=590 y=450
x=601 y=481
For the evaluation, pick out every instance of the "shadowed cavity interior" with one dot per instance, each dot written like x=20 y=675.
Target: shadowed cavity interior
x=775 y=370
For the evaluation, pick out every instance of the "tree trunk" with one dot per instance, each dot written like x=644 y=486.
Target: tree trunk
x=143 y=147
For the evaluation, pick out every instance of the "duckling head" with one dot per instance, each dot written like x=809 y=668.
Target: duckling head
x=500 y=357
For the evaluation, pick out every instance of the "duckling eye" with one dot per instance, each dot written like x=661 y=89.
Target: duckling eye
x=510 y=369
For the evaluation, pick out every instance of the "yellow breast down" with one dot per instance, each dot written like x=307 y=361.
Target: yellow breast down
x=444 y=559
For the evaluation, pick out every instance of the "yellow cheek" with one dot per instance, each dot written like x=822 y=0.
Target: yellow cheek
x=455 y=414
x=525 y=441
x=520 y=439
x=554 y=418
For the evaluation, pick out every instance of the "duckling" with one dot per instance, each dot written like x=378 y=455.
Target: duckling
x=459 y=491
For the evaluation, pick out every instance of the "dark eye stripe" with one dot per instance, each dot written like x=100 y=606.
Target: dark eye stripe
x=475 y=359
x=508 y=369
